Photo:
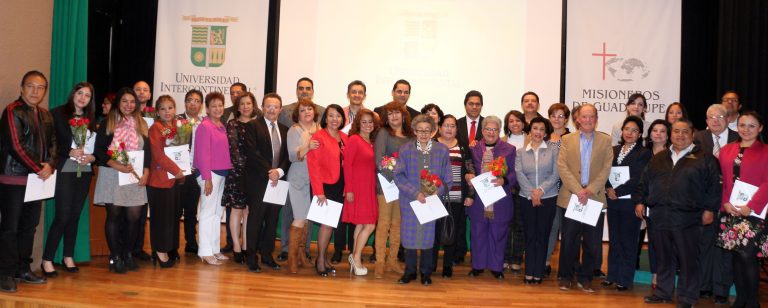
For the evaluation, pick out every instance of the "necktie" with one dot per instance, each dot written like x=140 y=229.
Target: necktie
x=275 y=146
x=472 y=131
x=716 y=148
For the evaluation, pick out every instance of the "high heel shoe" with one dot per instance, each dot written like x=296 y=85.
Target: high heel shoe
x=167 y=264
x=73 y=269
x=353 y=269
x=210 y=260
x=238 y=257
x=48 y=274
x=323 y=273
x=220 y=256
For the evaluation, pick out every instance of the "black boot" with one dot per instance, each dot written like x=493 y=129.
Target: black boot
x=130 y=263
x=117 y=265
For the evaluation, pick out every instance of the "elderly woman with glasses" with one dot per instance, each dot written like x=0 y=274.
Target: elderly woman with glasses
x=419 y=160
x=490 y=223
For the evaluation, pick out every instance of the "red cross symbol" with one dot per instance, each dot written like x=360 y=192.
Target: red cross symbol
x=604 y=55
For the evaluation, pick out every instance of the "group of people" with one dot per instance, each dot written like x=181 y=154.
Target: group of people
x=676 y=188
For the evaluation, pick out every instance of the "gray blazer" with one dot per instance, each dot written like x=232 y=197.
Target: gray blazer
x=544 y=174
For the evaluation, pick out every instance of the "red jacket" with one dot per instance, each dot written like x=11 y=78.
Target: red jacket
x=161 y=164
x=752 y=171
x=324 y=163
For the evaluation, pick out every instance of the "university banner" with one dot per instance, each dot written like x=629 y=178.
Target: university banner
x=208 y=46
x=619 y=47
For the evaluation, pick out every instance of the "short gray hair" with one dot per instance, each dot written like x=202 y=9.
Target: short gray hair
x=423 y=119
x=490 y=119
x=719 y=108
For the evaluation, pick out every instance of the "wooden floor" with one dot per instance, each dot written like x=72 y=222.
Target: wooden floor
x=194 y=284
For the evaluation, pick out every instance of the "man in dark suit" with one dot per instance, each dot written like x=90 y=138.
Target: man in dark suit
x=401 y=92
x=267 y=162
x=715 y=262
x=473 y=105
x=190 y=191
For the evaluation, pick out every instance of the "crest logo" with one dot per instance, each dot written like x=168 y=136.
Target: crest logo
x=209 y=45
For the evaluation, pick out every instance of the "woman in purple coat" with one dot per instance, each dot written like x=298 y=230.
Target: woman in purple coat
x=425 y=154
x=490 y=224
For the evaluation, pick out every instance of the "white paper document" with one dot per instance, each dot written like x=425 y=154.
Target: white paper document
x=391 y=193
x=742 y=193
x=38 y=189
x=180 y=156
x=328 y=214
x=486 y=190
x=136 y=158
x=346 y=129
x=585 y=213
x=149 y=121
x=276 y=194
x=429 y=211
x=619 y=175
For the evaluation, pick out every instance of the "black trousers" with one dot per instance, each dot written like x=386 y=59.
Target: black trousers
x=747 y=277
x=18 y=221
x=71 y=193
x=138 y=245
x=677 y=249
x=538 y=223
x=189 y=197
x=456 y=211
x=461 y=241
x=624 y=231
x=425 y=261
x=163 y=222
x=578 y=237
x=515 y=246
x=707 y=256
x=722 y=274
x=261 y=230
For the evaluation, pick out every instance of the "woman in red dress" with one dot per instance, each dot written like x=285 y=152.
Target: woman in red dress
x=360 y=205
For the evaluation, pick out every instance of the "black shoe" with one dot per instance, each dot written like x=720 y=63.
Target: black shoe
x=254 y=268
x=190 y=249
x=447 y=272
x=621 y=288
x=167 y=264
x=321 y=273
x=406 y=278
x=548 y=270
x=372 y=258
x=271 y=263
x=705 y=294
x=73 y=269
x=7 y=284
x=426 y=279
x=48 y=274
x=684 y=305
x=401 y=254
x=283 y=256
x=606 y=283
x=117 y=265
x=458 y=261
x=336 y=258
x=475 y=272
x=536 y=280
x=498 y=275
x=142 y=255
x=653 y=299
x=239 y=257
x=227 y=248
x=599 y=274
x=130 y=263
x=173 y=254
x=30 y=277
x=721 y=300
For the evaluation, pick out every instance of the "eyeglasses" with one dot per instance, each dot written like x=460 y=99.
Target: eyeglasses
x=423 y=131
x=631 y=130
x=491 y=130
x=715 y=118
x=559 y=116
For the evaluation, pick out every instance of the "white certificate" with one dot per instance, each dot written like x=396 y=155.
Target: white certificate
x=486 y=190
x=429 y=211
x=619 y=175
x=180 y=156
x=742 y=193
x=38 y=189
x=346 y=129
x=391 y=193
x=327 y=214
x=276 y=194
x=136 y=158
x=149 y=121
x=585 y=213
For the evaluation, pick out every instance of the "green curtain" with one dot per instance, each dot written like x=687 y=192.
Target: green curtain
x=69 y=65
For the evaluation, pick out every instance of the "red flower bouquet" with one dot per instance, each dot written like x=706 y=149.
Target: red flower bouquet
x=79 y=129
x=430 y=182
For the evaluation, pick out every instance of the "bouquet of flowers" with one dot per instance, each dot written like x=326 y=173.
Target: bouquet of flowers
x=388 y=164
x=79 y=129
x=498 y=167
x=120 y=155
x=169 y=133
x=149 y=112
x=738 y=232
x=184 y=129
x=430 y=182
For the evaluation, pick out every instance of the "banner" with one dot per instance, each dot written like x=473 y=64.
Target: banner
x=619 y=47
x=208 y=46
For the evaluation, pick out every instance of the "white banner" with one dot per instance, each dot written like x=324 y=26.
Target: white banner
x=209 y=45
x=619 y=47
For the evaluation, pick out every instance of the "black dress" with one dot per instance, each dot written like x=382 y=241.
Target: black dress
x=234 y=195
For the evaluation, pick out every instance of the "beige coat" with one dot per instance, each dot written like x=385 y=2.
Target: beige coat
x=569 y=165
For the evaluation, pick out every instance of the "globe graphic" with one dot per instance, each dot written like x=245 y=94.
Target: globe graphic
x=627 y=69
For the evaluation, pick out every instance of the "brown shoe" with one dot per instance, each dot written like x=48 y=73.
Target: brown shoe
x=381 y=250
x=378 y=271
x=293 y=245
x=302 y=247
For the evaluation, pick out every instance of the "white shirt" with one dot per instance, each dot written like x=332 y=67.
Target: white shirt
x=269 y=129
x=733 y=125
x=677 y=156
x=517 y=140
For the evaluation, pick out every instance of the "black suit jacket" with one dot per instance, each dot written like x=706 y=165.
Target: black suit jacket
x=703 y=138
x=382 y=116
x=258 y=145
x=637 y=159
x=462 y=134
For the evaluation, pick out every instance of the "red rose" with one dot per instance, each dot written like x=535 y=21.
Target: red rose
x=86 y=121
x=396 y=155
x=109 y=153
x=72 y=122
x=433 y=177
x=496 y=173
x=122 y=145
x=439 y=182
x=79 y=122
x=423 y=174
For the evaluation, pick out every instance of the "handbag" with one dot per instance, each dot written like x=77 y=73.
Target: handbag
x=448 y=230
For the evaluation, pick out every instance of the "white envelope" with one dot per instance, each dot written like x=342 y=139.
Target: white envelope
x=327 y=214
x=137 y=161
x=742 y=193
x=391 y=192
x=180 y=156
x=585 y=213
x=487 y=191
x=429 y=211
x=276 y=194
x=38 y=189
